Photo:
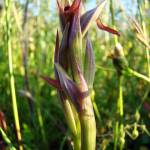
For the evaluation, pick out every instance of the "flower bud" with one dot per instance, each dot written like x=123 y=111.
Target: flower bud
x=118 y=51
x=143 y=127
x=135 y=132
x=122 y=141
x=119 y=59
x=137 y=116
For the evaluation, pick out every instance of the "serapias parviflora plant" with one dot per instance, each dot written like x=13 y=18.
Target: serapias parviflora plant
x=74 y=67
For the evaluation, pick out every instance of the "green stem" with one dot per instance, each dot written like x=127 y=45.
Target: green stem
x=138 y=75
x=41 y=125
x=120 y=109
x=120 y=98
x=77 y=142
x=113 y=20
x=88 y=124
x=6 y=139
x=63 y=143
x=147 y=50
x=118 y=131
x=145 y=32
x=116 y=134
x=88 y=131
x=12 y=80
x=148 y=61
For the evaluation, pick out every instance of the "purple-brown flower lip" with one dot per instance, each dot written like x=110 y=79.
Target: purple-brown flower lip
x=67 y=8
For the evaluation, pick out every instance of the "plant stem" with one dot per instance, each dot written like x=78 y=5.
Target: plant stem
x=87 y=117
x=63 y=143
x=148 y=61
x=6 y=139
x=77 y=142
x=113 y=20
x=147 y=50
x=138 y=75
x=88 y=131
x=119 y=123
x=24 y=43
x=12 y=80
x=41 y=122
x=120 y=109
x=145 y=33
x=118 y=129
x=120 y=98
x=116 y=134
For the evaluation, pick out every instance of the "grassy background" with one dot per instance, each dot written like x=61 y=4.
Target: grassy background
x=33 y=32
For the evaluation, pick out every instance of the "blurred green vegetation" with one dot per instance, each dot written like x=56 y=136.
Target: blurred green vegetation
x=33 y=31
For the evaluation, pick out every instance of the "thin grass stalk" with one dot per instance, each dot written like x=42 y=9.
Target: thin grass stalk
x=63 y=143
x=25 y=57
x=148 y=61
x=138 y=75
x=119 y=127
x=113 y=20
x=121 y=112
x=6 y=139
x=38 y=90
x=11 y=76
x=145 y=32
x=40 y=119
x=116 y=132
x=147 y=52
x=147 y=49
x=120 y=97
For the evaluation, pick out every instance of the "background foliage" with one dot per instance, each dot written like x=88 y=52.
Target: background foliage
x=34 y=25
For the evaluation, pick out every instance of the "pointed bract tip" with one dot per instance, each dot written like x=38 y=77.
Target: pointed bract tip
x=69 y=87
x=53 y=82
x=91 y=16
